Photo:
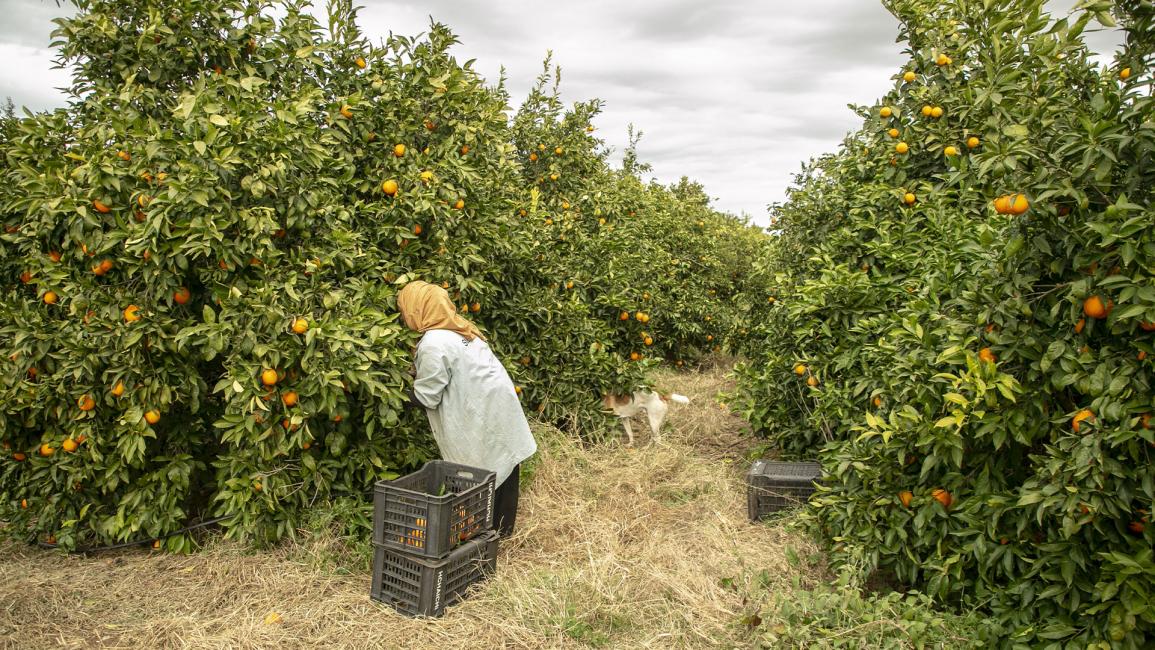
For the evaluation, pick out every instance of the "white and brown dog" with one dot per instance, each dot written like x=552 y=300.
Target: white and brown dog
x=654 y=404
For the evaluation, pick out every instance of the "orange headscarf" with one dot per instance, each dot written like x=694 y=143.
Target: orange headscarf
x=426 y=307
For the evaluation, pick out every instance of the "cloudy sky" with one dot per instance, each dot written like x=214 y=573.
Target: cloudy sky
x=735 y=94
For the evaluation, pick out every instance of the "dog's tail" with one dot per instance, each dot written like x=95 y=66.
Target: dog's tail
x=681 y=399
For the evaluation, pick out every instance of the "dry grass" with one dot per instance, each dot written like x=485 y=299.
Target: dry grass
x=616 y=547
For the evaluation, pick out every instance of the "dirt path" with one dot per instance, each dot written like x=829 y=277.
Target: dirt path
x=617 y=547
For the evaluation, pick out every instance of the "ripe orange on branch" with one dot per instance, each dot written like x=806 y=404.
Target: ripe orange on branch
x=1094 y=307
x=1084 y=415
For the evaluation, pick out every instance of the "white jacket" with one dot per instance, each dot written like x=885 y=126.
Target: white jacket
x=473 y=409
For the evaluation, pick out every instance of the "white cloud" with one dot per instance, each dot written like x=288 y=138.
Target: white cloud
x=732 y=93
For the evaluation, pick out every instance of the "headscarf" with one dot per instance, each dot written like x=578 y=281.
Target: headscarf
x=426 y=307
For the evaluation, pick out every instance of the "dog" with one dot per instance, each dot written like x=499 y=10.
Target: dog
x=654 y=404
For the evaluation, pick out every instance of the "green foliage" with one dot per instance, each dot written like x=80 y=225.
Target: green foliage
x=841 y=617
x=221 y=172
x=892 y=308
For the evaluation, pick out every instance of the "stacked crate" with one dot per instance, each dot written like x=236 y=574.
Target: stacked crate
x=432 y=537
x=772 y=486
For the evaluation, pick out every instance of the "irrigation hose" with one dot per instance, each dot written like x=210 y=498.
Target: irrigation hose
x=147 y=540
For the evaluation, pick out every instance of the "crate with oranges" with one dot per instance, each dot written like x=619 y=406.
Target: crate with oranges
x=433 y=510
x=432 y=537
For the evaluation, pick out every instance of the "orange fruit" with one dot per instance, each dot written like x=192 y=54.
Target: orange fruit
x=950 y=151
x=100 y=207
x=942 y=60
x=1125 y=74
x=152 y=417
x=936 y=112
x=69 y=445
x=1145 y=421
x=18 y=457
x=50 y=297
x=986 y=355
x=131 y=313
x=24 y=503
x=927 y=110
x=557 y=151
x=290 y=398
x=300 y=326
x=554 y=177
x=360 y=63
x=634 y=356
x=1142 y=355
x=638 y=316
x=124 y=155
x=269 y=377
x=800 y=370
x=709 y=337
x=399 y=150
x=81 y=438
x=886 y=111
x=533 y=156
x=459 y=205
x=54 y=256
x=181 y=296
x=389 y=187
x=902 y=147
x=812 y=381
x=86 y=403
x=118 y=389
x=426 y=176
x=892 y=133
x=877 y=402
x=943 y=497
x=906 y=496
x=1080 y=325
x=517 y=389
x=1136 y=527
x=25 y=277
x=1147 y=326
x=346 y=112
x=1003 y=204
x=46 y=450
x=909 y=198
x=1083 y=415
x=909 y=76
x=464 y=149
x=625 y=315
x=1019 y=204
x=475 y=307
x=972 y=142
x=1095 y=308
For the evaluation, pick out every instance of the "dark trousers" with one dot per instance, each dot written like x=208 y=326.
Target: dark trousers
x=505 y=504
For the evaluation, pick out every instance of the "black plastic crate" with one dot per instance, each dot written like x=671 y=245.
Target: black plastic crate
x=434 y=510
x=419 y=586
x=773 y=485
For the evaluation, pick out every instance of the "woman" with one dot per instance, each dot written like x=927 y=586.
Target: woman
x=473 y=409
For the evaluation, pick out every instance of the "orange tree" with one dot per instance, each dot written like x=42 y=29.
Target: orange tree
x=963 y=323
x=655 y=264
x=194 y=318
